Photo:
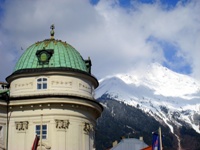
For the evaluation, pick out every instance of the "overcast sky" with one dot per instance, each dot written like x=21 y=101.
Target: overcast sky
x=119 y=36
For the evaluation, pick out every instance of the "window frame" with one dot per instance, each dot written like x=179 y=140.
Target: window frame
x=42 y=83
x=37 y=132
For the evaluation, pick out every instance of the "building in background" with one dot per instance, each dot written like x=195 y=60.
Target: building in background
x=51 y=95
x=129 y=144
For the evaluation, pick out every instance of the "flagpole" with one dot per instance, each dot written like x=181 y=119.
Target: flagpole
x=41 y=132
x=160 y=138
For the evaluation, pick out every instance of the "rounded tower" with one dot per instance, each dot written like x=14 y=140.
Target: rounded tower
x=52 y=96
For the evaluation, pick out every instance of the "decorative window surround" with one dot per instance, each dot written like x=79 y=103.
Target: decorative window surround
x=62 y=124
x=21 y=125
x=87 y=128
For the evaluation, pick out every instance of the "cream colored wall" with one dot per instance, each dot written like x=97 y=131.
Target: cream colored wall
x=75 y=137
x=56 y=111
x=3 y=124
x=3 y=120
x=3 y=131
x=59 y=85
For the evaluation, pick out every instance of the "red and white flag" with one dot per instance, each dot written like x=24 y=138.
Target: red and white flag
x=35 y=143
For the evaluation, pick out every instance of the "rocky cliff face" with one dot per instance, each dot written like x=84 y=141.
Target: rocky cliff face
x=121 y=120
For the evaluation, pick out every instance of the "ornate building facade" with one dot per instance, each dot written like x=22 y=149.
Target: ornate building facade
x=50 y=94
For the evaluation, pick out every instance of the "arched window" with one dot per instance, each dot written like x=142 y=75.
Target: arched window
x=42 y=83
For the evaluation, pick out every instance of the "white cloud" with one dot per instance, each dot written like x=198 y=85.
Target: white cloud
x=114 y=37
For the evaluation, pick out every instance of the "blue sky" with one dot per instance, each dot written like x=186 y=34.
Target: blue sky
x=127 y=3
x=118 y=35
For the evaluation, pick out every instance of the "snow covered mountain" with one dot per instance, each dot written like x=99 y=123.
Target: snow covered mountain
x=169 y=97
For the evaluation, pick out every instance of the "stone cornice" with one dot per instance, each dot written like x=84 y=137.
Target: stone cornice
x=59 y=103
x=46 y=95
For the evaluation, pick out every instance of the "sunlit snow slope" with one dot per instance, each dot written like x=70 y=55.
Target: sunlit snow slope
x=166 y=95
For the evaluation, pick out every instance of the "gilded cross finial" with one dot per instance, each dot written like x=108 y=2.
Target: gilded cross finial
x=52 y=31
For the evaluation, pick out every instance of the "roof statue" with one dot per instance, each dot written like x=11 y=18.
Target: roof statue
x=52 y=31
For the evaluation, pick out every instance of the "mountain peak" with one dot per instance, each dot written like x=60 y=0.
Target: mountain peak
x=155 y=88
x=163 y=81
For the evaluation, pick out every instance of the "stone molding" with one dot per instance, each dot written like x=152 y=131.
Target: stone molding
x=62 y=124
x=21 y=125
x=25 y=85
x=85 y=87
x=61 y=83
x=87 y=128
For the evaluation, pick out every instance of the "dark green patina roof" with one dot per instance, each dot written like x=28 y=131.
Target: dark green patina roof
x=64 y=56
x=4 y=91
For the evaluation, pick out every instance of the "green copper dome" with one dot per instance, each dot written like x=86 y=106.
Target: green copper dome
x=52 y=53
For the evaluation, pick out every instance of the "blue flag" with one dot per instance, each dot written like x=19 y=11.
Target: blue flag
x=155 y=142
